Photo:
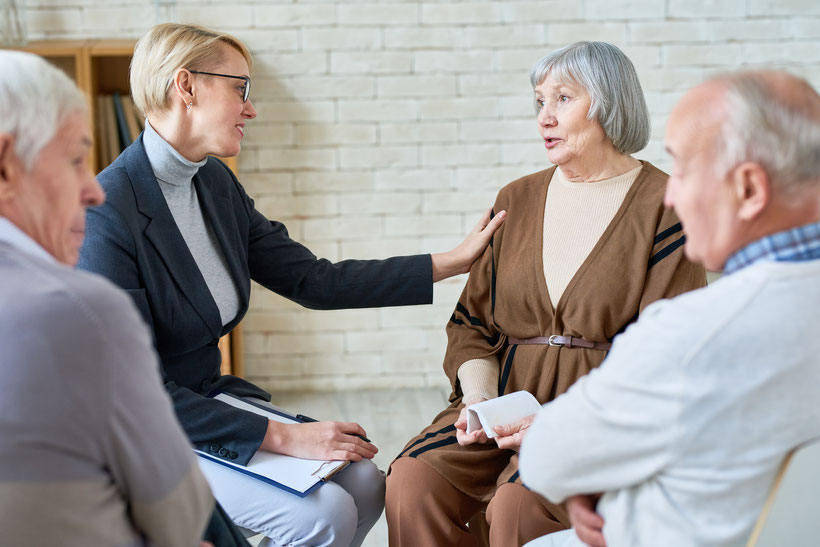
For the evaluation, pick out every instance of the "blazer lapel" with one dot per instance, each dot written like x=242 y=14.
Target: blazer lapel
x=217 y=208
x=162 y=231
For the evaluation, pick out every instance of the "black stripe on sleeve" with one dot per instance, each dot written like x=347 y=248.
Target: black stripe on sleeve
x=668 y=232
x=666 y=251
x=437 y=444
x=492 y=216
x=428 y=436
x=473 y=320
x=492 y=280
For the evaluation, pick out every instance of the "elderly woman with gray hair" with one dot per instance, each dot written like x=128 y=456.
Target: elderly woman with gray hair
x=587 y=245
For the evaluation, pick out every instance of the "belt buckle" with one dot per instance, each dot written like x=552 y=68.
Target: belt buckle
x=553 y=343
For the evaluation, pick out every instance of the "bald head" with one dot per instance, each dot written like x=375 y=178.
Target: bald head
x=746 y=148
x=773 y=119
x=786 y=89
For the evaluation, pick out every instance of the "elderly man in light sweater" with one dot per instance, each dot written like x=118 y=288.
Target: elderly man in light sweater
x=90 y=450
x=685 y=424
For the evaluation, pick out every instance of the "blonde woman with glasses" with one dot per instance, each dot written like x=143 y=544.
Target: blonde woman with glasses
x=181 y=236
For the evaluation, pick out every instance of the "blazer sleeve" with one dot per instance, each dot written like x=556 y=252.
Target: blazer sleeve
x=290 y=269
x=212 y=426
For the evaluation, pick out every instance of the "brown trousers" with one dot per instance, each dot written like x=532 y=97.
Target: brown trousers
x=425 y=510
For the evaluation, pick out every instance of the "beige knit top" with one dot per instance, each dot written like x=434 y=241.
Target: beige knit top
x=575 y=216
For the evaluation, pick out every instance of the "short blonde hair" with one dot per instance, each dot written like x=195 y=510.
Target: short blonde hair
x=167 y=48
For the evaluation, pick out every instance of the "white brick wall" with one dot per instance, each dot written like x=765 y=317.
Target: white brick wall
x=387 y=127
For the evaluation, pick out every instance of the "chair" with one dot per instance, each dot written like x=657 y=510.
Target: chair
x=789 y=516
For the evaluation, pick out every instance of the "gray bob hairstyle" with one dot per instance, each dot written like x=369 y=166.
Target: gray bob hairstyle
x=609 y=77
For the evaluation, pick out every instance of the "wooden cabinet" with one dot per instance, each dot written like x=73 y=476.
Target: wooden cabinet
x=101 y=67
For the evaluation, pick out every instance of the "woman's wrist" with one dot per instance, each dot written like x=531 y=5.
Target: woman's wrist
x=274 y=437
x=445 y=265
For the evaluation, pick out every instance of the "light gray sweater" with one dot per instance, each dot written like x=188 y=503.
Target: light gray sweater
x=686 y=422
x=91 y=452
x=175 y=176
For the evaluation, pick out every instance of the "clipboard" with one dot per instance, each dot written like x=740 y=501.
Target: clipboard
x=295 y=475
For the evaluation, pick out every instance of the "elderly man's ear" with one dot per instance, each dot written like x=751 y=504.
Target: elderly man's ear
x=10 y=168
x=752 y=190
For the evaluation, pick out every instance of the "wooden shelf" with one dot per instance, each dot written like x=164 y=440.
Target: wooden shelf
x=101 y=67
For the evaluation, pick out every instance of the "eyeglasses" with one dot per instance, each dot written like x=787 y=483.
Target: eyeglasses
x=246 y=89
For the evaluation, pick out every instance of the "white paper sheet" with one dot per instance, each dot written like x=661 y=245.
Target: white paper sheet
x=501 y=411
x=296 y=474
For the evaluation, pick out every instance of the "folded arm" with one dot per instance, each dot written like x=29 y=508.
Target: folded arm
x=617 y=426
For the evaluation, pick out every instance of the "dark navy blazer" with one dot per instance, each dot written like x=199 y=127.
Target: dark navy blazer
x=133 y=240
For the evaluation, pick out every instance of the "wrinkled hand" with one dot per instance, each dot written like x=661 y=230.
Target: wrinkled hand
x=511 y=436
x=319 y=441
x=459 y=260
x=462 y=437
x=587 y=523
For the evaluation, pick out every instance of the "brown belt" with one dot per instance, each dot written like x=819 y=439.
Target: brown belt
x=561 y=341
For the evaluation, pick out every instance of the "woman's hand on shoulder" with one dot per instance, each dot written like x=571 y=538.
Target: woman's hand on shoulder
x=463 y=438
x=459 y=260
x=319 y=441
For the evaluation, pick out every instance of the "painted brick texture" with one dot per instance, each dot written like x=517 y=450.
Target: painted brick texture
x=387 y=127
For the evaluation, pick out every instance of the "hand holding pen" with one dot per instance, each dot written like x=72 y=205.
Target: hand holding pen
x=308 y=419
x=316 y=440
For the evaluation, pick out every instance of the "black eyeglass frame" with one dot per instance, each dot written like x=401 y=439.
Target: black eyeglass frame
x=247 y=81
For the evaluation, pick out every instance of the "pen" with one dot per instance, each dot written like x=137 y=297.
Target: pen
x=308 y=419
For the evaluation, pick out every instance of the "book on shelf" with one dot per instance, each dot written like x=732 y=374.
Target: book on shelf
x=132 y=118
x=118 y=124
x=122 y=125
x=100 y=129
x=111 y=134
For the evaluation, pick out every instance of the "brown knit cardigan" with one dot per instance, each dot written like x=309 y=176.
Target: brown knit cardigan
x=638 y=259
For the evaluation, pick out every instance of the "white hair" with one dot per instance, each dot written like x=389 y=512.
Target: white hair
x=761 y=127
x=35 y=98
x=609 y=77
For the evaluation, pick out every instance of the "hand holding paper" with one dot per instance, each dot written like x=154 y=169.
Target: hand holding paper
x=464 y=438
x=511 y=436
x=514 y=409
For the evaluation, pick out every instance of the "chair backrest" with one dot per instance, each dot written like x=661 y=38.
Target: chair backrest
x=790 y=514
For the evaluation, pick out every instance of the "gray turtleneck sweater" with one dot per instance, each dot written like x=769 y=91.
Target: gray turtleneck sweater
x=175 y=176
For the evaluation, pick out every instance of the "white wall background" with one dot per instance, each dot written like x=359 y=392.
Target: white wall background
x=387 y=127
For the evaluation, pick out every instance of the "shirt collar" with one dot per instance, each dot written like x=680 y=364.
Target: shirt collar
x=794 y=245
x=11 y=234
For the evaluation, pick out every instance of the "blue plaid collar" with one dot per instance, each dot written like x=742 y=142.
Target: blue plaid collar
x=795 y=245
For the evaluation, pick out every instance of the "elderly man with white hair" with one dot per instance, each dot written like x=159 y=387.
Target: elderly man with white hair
x=685 y=424
x=90 y=450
